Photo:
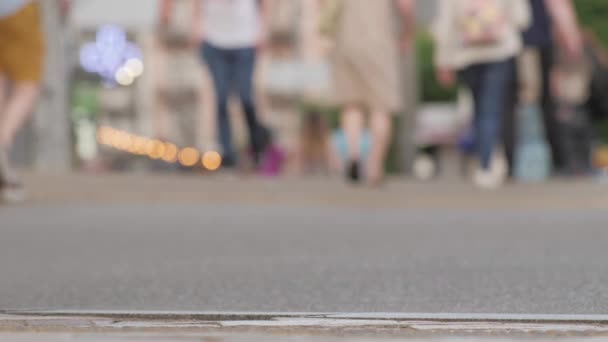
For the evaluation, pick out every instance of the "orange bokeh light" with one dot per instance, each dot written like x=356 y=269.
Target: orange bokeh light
x=212 y=160
x=188 y=156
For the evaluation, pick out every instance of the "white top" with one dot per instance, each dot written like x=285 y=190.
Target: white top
x=231 y=23
x=10 y=7
x=452 y=54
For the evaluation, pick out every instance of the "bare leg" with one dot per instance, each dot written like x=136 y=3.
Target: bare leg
x=352 y=125
x=3 y=91
x=381 y=129
x=17 y=110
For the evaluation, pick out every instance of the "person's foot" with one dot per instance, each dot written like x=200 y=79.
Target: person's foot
x=353 y=172
x=487 y=179
x=228 y=163
x=264 y=140
x=13 y=193
x=11 y=187
x=375 y=175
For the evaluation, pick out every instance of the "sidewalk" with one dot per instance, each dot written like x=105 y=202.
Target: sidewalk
x=235 y=189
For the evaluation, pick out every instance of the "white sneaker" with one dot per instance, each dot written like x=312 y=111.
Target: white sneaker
x=496 y=175
x=488 y=179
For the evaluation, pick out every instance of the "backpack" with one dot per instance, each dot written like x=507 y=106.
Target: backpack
x=481 y=22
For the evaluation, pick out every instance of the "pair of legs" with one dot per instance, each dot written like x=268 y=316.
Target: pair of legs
x=177 y=94
x=232 y=71
x=489 y=84
x=551 y=125
x=16 y=104
x=21 y=62
x=353 y=124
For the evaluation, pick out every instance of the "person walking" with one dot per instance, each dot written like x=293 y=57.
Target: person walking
x=477 y=40
x=21 y=68
x=229 y=33
x=554 y=24
x=176 y=80
x=367 y=76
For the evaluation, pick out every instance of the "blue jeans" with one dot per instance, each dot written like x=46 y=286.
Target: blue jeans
x=489 y=83
x=232 y=71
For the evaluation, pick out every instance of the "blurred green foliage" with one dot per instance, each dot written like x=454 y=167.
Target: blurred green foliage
x=593 y=14
x=430 y=90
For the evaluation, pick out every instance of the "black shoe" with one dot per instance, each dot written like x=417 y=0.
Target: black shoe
x=228 y=162
x=263 y=140
x=353 y=172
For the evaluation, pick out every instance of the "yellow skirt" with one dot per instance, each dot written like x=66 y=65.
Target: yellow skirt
x=23 y=49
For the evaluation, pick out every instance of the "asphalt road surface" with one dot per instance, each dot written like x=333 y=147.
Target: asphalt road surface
x=537 y=251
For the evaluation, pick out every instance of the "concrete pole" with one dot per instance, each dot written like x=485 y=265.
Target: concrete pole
x=408 y=120
x=51 y=121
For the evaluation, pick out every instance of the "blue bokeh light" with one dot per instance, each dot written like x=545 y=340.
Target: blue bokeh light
x=109 y=53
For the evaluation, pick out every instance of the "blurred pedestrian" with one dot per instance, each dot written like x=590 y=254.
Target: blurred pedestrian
x=367 y=75
x=597 y=57
x=570 y=83
x=313 y=155
x=177 y=80
x=554 y=25
x=477 y=40
x=21 y=69
x=230 y=34
x=323 y=152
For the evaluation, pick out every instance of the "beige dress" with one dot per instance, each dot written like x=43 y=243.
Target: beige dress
x=366 y=56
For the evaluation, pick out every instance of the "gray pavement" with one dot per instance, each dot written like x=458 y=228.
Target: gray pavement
x=142 y=243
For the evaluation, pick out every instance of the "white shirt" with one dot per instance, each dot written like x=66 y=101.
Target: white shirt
x=231 y=24
x=10 y=7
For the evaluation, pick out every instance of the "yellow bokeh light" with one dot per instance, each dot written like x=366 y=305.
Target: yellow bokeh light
x=139 y=145
x=212 y=160
x=148 y=147
x=600 y=157
x=126 y=141
x=158 y=149
x=170 y=154
x=117 y=139
x=104 y=135
x=188 y=156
